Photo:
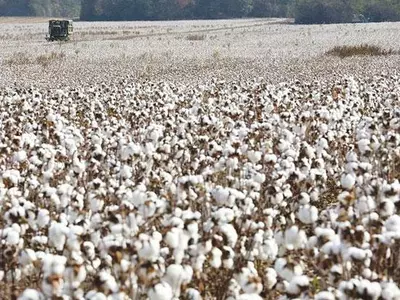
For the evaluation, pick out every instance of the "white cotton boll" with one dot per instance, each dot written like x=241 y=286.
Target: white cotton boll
x=372 y=289
x=12 y=175
x=172 y=237
x=12 y=237
x=126 y=172
x=270 y=278
x=161 y=291
x=57 y=235
x=193 y=294
x=269 y=249
x=393 y=223
x=254 y=156
x=308 y=214
x=109 y=281
x=20 y=156
x=286 y=271
x=259 y=178
x=230 y=232
x=365 y=204
x=297 y=285
x=41 y=239
x=248 y=296
x=150 y=248
x=221 y=195
x=304 y=198
x=249 y=281
x=325 y=234
x=216 y=258
x=173 y=277
x=31 y=294
x=94 y=295
x=27 y=256
x=347 y=181
x=295 y=238
x=390 y=291
x=354 y=253
x=270 y=158
x=325 y=295
x=363 y=146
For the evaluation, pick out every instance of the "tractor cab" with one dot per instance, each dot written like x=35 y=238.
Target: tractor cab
x=59 y=30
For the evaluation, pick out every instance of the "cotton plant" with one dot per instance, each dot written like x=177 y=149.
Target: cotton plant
x=160 y=190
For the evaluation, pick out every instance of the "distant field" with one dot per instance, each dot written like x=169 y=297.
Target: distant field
x=191 y=51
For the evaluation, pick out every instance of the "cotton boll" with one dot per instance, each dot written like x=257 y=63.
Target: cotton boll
x=43 y=218
x=160 y=291
x=20 y=156
x=12 y=236
x=347 y=181
x=216 y=258
x=308 y=214
x=31 y=294
x=269 y=249
x=297 y=285
x=193 y=294
x=249 y=281
x=372 y=290
x=254 y=156
x=174 y=276
x=295 y=238
x=230 y=232
x=57 y=235
x=304 y=199
x=325 y=295
x=249 y=296
x=270 y=278
x=287 y=270
x=393 y=223
x=150 y=248
x=94 y=295
x=390 y=291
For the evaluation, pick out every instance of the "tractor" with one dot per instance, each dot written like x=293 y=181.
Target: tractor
x=59 y=30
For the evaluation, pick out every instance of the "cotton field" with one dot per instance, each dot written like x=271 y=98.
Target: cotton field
x=123 y=186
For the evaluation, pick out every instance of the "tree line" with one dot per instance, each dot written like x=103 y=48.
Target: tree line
x=41 y=8
x=304 y=11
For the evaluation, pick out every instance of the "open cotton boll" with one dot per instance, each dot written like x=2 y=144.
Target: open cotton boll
x=57 y=235
x=254 y=156
x=370 y=290
x=325 y=295
x=11 y=236
x=31 y=294
x=390 y=291
x=150 y=248
x=347 y=181
x=13 y=176
x=286 y=270
x=160 y=291
x=308 y=214
x=19 y=156
x=297 y=285
x=249 y=281
x=249 y=296
x=393 y=224
x=295 y=238
x=270 y=278
x=193 y=294
x=216 y=258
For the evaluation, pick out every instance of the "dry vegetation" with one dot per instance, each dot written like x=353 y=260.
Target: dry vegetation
x=360 y=50
x=128 y=172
